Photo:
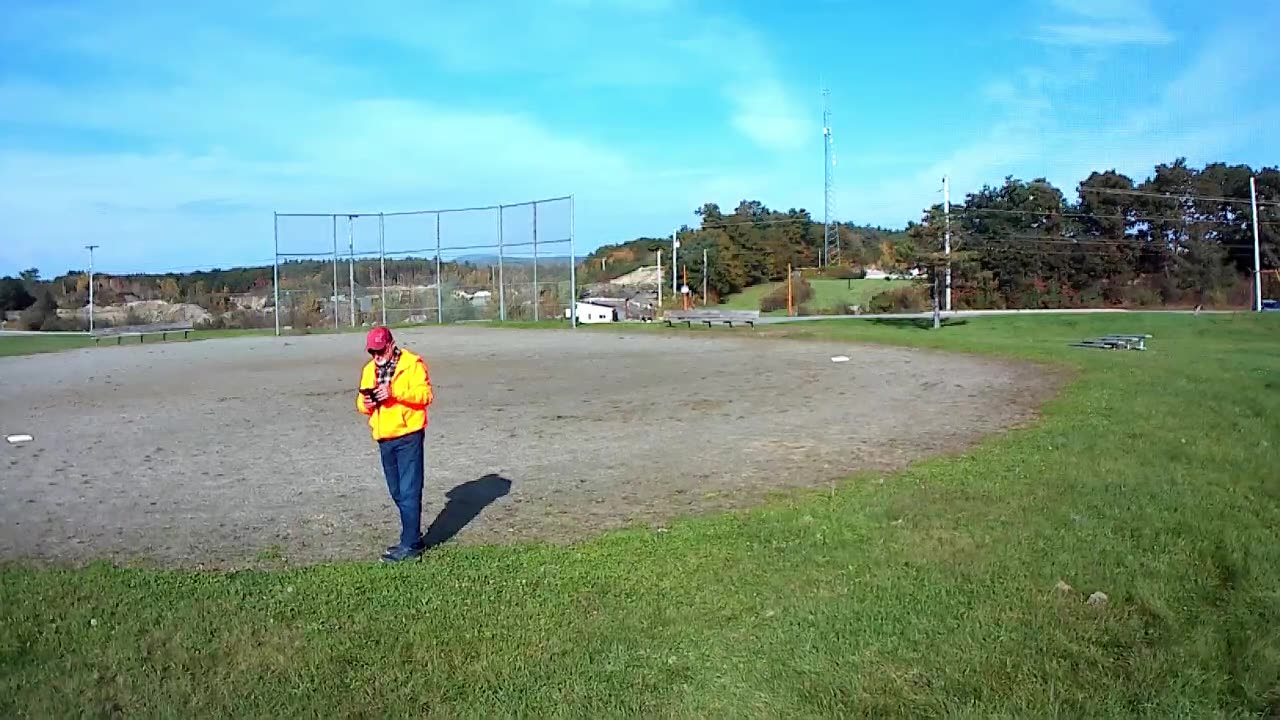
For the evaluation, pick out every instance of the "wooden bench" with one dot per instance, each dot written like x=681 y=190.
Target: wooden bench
x=164 y=330
x=1116 y=342
x=709 y=317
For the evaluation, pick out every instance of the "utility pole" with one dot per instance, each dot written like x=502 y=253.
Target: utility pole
x=789 y=313
x=704 y=277
x=830 y=228
x=675 y=249
x=946 y=237
x=661 y=282
x=933 y=294
x=1257 y=255
x=91 y=248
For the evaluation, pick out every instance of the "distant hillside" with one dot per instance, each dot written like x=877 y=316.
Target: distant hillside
x=750 y=246
x=492 y=259
x=612 y=261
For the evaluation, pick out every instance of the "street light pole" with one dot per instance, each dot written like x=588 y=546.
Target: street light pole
x=1257 y=256
x=946 y=246
x=90 y=248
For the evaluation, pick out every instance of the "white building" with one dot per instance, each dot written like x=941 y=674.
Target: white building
x=478 y=298
x=592 y=313
x=875 y=273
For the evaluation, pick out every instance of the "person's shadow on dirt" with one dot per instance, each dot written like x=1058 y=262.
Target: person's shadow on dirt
x=466 y=501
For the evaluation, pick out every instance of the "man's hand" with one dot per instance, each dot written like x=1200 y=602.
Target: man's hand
x=382 y=393
x=369 y=403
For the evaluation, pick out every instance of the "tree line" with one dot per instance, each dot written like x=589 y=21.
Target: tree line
x=1182 y=236
x=752 y=245
x=212 y=288
x=306 y=287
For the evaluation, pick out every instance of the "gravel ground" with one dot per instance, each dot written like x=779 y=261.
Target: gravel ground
x=241 y=451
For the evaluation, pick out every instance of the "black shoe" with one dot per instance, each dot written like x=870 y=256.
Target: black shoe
x=392 y=547
x=400 y=554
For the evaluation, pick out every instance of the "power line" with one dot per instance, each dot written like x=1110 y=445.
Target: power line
x=1137 y=244
x=1052 y=214
x=1183 y=198
x=777 y=221
x=1056 y=252
x=207 y=268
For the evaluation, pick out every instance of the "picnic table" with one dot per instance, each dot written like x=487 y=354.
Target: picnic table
x=164 y=330
x=1116 y=342
x=709 y=317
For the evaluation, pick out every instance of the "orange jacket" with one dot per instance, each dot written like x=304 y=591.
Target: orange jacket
x=406 y=410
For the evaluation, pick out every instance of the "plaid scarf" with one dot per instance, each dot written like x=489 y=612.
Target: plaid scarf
x=385 y=371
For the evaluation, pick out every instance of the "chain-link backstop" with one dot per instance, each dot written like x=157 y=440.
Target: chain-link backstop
x=509 y=262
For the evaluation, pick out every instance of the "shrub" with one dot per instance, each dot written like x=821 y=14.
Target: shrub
x=1113 y=293
x=53 y=323
x=1141 y=296
x=802 y=292
x=1090 y=297
x=911 y=298
x=44 y=308
x=14 y=295
x=838 y=308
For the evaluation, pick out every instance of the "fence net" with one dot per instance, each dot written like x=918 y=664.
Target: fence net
x=508 y=262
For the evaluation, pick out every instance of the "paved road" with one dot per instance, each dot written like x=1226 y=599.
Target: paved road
x=981 y=313
x=881 y=316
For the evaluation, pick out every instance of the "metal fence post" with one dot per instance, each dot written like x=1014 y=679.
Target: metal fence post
x=335 y=272
x=351 y=265
x=439 y=288
x=573 y=274
x=502 y=295
x=382 y=265
x=537 y=295
x=275 y=272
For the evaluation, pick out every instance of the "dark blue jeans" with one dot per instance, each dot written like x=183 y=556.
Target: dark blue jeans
x=402 y=463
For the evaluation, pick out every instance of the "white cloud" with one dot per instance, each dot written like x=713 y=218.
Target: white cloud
x=237 y=125
x=767 y=115
x=1105 y=22
x=1205 y=112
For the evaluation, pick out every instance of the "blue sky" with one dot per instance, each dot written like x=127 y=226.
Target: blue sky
x=142 y=125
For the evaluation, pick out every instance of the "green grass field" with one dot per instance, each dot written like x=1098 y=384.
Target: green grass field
x=826 y=294
x=56 y=342
x=931 y=592
x=33 y=344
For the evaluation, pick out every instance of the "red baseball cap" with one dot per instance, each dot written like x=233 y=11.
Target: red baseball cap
x=378 y=339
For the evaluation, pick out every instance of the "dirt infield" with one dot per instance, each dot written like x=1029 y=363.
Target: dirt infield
x=220 y=453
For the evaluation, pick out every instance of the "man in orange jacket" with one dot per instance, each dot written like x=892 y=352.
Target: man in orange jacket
x=395 y=390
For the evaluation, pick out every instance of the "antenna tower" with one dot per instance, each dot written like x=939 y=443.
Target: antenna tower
x=831 y=230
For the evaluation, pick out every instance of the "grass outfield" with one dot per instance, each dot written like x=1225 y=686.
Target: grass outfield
x=924 y=593
x=48 y=342
x=826 y=293
x=56 y=342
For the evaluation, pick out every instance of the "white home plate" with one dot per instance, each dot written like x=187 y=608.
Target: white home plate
x=840 y=358
x=17 y=439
